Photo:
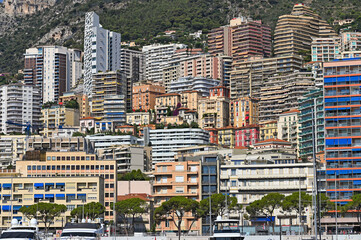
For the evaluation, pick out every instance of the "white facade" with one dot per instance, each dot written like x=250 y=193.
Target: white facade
x=12 y=148
x=288 y=128
x=165 y=142
x=157 y=57
x=200 y=84
x=101 y=50
x=105 y=141
x=57 y=70
x=20 y=104
x=249 y=177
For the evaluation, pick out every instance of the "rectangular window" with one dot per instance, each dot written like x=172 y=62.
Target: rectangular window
x=179 y=179
x=179 y=168
x=179 y=189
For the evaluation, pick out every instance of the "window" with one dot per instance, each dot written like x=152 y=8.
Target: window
x=179 y=189
x=179 y=168
x=233 y=183
x=233 y=172
x=179 y=179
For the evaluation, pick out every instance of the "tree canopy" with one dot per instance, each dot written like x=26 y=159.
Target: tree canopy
x=129 y=209
x=92 y=210
x=46 y=212
x=176 y=209
x=134 y=175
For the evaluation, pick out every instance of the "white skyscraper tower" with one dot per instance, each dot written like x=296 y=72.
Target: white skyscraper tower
x=101 y=50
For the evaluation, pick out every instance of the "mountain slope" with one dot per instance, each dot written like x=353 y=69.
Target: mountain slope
x=141 y=20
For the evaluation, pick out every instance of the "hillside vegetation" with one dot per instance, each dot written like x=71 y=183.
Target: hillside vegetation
x=143 y=20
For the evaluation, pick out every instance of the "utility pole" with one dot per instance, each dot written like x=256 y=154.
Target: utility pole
x=336 y=206
x=210 y=200
x=315 y=192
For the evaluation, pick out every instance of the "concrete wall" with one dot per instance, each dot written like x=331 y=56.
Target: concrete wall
x=128 y=187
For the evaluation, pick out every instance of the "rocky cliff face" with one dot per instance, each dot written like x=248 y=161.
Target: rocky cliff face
x=25 y=7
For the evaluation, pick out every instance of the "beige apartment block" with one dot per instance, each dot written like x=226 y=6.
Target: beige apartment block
x=247 y=78
x=139 y=118
x=189 y=99
x=244 y=111
x=294 y=31
x=268 y=130
x=58 y=116
x=173 y=179
x=25 y=191
x=164 y=101
x=144 y=96
x=82 y=99
x=72 y=164
x=281 y=93
x=213 y=111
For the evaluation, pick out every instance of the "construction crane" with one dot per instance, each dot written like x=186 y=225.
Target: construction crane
x=27 y=126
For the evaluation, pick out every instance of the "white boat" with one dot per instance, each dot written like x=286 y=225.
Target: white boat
x=83 y=231
x=21 y=232
x=226 y=229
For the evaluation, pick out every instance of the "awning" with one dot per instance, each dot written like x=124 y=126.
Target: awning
x=357 y=182
x=7 y=185
x=18 y=218
x=49 y=184
x=70 y=195
x=60 y=184
x=49 y=195
x=6 y=195
x=60 y=195
x=39 y=184
x=38 y=196
x=81 y=195
x=6 y=208
x=16 y=208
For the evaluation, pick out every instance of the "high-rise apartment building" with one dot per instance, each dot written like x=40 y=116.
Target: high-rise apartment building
x=132 y=63
x=242 y=39
x=200 y=84
x=206 y=65
x=280 y=93
x=144 y=95
x=165 y=142
x=243 y=111
x=20 y=104
x=101 y=50
x=213 y=111
x=311 y=119
x=294 y=32
x=109 y=95
x=157 y=57
x=53 y=69
x=342 y=80
x=351 y=41
x=325 y=49
x=288 y=128
x=248 y=77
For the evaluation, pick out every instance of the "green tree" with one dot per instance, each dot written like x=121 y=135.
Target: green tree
x=46 y=212
x=292 y=203
x=194 y=125
x=218 y=204
x=326 y=204
x=134 y=175
x=355 y=205
x=266 y=206
x=92 y=210
x=176 y=208
x=72 y=104
x=78 y=134
x=129 y=209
